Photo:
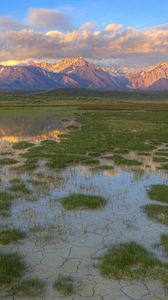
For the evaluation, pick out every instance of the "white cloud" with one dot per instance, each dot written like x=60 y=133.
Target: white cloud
x=22 y=41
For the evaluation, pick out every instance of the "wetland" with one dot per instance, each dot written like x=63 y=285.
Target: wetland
x=84 y=200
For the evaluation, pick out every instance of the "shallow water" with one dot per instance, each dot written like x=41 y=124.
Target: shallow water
x=69 y=243
x=33 y=124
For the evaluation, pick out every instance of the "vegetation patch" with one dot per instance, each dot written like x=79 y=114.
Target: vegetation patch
x=12 y=268
x=80 y=201
x=132 y=262
x=158 y=213
x=31 y=287
x=160 y=159
x=7 y=161
x=8 y=236
x=5 y=203
x=119 y=160
x=19 y=187
x=159 y=192
x=22 y=145
x=164 y=242
x=64 y=285
x=144 y=153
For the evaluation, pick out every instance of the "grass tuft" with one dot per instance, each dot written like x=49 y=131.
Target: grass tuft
x=164 y=242
x=7 y=161
x=22 y=145
x=159 y=192
x=8 y=236
x=31 y=287
x=11 y=268
x=158 y=213
x=5 y=203
x=132 y=262
x=80 y=201
x=64 y=285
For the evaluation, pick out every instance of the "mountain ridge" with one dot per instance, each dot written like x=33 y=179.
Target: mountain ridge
x=80 y=73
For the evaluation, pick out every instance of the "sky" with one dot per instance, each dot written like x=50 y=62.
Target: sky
x=122 y=32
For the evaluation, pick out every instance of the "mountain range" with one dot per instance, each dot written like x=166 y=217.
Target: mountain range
x=79 y=73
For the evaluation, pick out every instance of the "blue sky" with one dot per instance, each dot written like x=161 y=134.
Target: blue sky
x=137 y=14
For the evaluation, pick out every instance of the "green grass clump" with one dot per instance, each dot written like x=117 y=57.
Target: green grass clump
x=5 y=203
x=22 y=145
x=80 y=201
x=164 y=167
x=19 y=187
x=159 y=192
x=11 y=268
x=144 y=153
x=31 y=287
x=158 y=213
x=119 y=160
x=164 y=242
x=160 y=159
x=64 y=285
x=132 y=262
x=7 y=161
x=8 y=236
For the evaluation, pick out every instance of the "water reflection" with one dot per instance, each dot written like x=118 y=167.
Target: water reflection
x=33 y=124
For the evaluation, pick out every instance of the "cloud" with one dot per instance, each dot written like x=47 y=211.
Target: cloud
x=49 y=19
x=24 y=41
x=10 y=24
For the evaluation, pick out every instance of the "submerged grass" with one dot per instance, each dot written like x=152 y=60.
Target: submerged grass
x=18 y=186
x=80 y=201
x=159 y=192
x=158 y=213
x=132 y=262
x=10 y=235
x=64 y=284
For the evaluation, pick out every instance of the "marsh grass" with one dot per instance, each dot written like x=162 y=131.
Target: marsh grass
x=18 y=186
x=7 y=161
x=158 y=213
x=160 y=159
x=119 y=160
x=10 y=235
x=164 y=242
x=22 y=145
x=29 y=166
x=144 y=153
x=81 y=201
x=64 y=285
x=103 y=168
x=31 y=287
x=12 y=268
x=132 y=262
x=159 y=192
x=5 y=203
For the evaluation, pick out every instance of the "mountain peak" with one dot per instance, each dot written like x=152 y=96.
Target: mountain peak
x=78 y=62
